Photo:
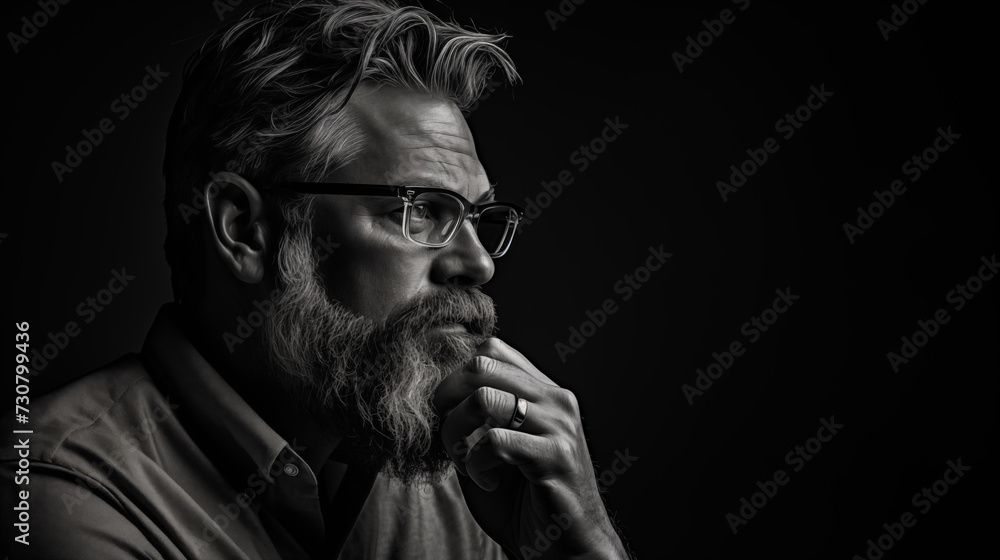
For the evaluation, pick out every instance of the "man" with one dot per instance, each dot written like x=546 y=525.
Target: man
x=329 y=362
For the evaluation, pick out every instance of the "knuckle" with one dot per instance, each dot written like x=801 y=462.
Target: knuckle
x=565 y=448
x=485 y=399
x=496 y=438
x=484 y=365
x=568 y=402
x=491 y=345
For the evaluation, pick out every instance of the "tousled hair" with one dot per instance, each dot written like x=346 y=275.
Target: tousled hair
x=263 y=98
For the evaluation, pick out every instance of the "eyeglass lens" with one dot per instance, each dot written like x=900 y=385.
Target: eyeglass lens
x=434 y=217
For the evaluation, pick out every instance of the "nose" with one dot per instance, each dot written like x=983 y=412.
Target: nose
x=464 y=262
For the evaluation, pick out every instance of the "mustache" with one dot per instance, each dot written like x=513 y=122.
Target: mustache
x=469 y=307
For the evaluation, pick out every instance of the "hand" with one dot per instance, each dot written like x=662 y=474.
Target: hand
x=533 y=489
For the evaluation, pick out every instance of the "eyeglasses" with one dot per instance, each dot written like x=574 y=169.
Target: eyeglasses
x=432 y=216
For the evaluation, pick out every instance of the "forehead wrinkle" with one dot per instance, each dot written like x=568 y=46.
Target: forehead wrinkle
x=419 y=140
x=435 y=147
x=447 y=129
x=429 y=132
x=456 y=165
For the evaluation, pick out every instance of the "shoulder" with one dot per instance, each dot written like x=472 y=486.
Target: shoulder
x=66 y=515
x=97 y=429
x=76 y=432
x=102 y=412
x=90 y=441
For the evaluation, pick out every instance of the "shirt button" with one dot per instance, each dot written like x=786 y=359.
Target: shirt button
x=291 y=469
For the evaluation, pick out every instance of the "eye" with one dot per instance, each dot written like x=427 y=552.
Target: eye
x=420 y=210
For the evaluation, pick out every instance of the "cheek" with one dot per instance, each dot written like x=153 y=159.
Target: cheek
x=374 y=275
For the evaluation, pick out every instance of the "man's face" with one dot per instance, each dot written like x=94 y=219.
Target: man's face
x=362 y=337
x=411 y=139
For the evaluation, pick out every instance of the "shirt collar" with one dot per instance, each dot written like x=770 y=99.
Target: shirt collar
x=224 y=419
x=241 y=443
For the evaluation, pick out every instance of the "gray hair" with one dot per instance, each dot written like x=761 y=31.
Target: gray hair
x=263 y=97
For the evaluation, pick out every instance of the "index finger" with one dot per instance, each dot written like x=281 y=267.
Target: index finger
x=485 y=371
x=500 y=350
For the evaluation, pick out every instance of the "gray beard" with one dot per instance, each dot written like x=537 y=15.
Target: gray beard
x=371 y=384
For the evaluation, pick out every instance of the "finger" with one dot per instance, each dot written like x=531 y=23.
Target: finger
x=486 y=371
x=471 y=419
x=485 y=409
x=496 y=348
x=531 y=453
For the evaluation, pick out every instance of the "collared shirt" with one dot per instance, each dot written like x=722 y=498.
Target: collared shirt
x=157 y=456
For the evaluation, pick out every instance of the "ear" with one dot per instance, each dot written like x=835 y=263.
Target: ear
x=237 y=225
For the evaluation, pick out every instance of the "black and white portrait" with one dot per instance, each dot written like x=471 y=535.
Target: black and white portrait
x=386 y=279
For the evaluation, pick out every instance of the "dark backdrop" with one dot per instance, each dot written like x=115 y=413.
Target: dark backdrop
x=695 y=456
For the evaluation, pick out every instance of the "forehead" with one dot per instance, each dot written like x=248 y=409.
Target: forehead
x=413 y=138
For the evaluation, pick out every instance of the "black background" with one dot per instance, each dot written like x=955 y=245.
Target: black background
x=654 y=185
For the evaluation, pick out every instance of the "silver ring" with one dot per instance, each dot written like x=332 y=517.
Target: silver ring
x=520 y=410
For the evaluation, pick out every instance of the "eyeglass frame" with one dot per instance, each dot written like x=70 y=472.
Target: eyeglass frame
x=407 y=193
